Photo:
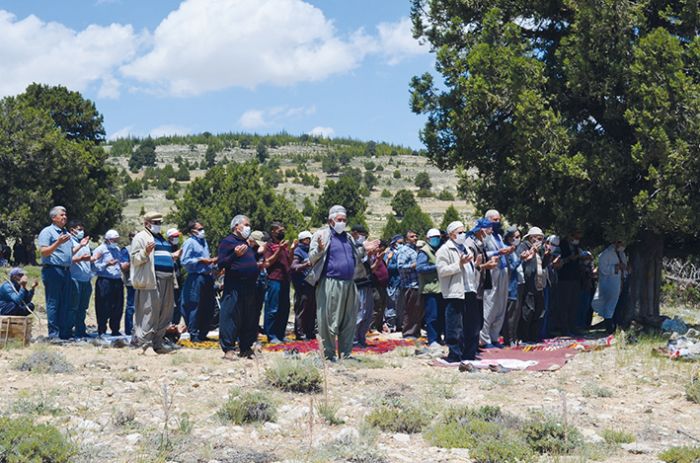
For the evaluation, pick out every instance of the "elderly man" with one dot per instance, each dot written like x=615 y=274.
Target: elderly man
x=304 y=293
x=333 y=258
x=56 y=256
x=198 y=290
x=410 y=288
x=238 y=316
x=81 y=276
x=495 y=298
x=109 y=288
x=15 y=298
x=152 y=277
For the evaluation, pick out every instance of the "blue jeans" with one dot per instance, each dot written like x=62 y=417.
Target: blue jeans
x=434 y=317
x=57 y=285
x=129 y=312
x=276 y=309
x=79 y=301
x=198 y=304
x=237 y=317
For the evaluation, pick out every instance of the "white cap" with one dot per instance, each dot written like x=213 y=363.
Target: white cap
x=534 y=231
x=432 y=232
x=172 y=232
x=553 y=240
x=454 y=226
x=111 y=235
x=336 y=211
x=305 y=235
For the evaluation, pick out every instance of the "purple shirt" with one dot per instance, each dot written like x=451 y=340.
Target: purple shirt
x=340 y=260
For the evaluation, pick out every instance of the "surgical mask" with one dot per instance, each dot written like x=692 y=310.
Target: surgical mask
x=516 y=241
x=575 y=242
x=79 y=234
x=461 y=238
x=339 y=227
x=200 y=234
x=155 y=228
x=361 y=239
x=245 y=233
x=620 y=249
x=173 y=240
x=434 y=242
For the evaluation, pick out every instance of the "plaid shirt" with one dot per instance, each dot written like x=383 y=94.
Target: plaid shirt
x=406 y=260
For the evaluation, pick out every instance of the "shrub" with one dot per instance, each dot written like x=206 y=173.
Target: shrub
x=328 y=411
x=23 y=441
x=294 y=375
x=402 y=417
x=247 y=407
x=397 y=173
x=612 y=436
x=445 y=195
x=547 y=435
x=386 y=193
x=504 y=449
x=424 y=194
x=45 y=361
x=594 y=390
x=680 y=455
x=692 y=389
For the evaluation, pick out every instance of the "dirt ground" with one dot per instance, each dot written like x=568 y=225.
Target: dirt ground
x=111 y=405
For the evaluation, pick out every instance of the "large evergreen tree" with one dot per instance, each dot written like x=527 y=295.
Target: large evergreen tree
x=571 y=115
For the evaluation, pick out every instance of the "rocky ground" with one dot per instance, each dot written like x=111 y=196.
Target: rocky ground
x=112 y=404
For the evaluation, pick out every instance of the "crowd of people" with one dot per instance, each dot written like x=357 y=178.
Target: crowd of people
x=469 y=289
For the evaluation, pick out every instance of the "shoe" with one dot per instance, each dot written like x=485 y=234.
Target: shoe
x=498 y=345
x=248 y=354
x=466 y=367
x=229 y=355
x=116 y=333
x=162 y=349
x=488 y=346
x=274 y=341
x=435 y=345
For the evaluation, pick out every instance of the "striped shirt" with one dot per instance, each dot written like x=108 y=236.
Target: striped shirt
x=162 y=255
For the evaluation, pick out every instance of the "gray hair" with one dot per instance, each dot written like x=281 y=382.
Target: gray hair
x=55 y=211
x=336 y=211
x=491 y=212
x=237 y=220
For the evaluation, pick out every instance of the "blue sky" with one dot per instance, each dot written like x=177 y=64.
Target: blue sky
x=331 y=67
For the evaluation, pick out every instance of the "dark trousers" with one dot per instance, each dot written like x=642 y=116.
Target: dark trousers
x=412 y=313
x=129 y=312
x=276 y=309
x=178 y=309
x=109 y=304
x=567 y=306
x=237 y=317
x=514 y=310
x=434 y=306
x=463 y=321
x=81 y=291
x=380 y=301
x=15 y=310
x=532 y=316
x=621 y=316
x=304 y=311
x=198 y=304
x=57 y=286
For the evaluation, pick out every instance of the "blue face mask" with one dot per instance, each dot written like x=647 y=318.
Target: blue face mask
x=434 y=242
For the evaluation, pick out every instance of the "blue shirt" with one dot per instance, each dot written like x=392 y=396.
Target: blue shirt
x=63 y=254
x=193 y=250
x=237 y=268
x=407 y=256
x=494 y=245
x=340 y=261
x=393 y=268
x=163 y=255
x=11 y=292
x=81 y=271
x=423 y=264
x=107 y=253
x=125 y=258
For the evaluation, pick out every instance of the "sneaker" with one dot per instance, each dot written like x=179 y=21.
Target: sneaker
x=274 y=341
x=466 y=367
x=435 y=345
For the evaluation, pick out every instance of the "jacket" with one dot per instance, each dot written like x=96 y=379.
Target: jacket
x=427 y=272
x=142 y=269
x=450 y=272
x=317 y=257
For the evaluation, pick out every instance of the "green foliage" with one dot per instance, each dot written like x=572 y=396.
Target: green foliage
x=614 y=436
x=397 y=174
x=417 y=220
x=445 y=195
x=370 y=180
x=45 y=164
x=329 y=412
x=424 y=194
x=370 y=149
x=692 y=389
x=294 y=375
x=168 y=170
x=369 y=165
x=172 y=191
x=247 y=407
x=143 y=156
x=234 y=188
x=391 y=227
x=545 y=434
x=261 y=153
x=22 y=441
x=122 y=147
x=346 y=192
x=402 y=202
x=451 y=215
x=309 y=207
x=680 y=455
x=422 y=181
x=44 y=361
x=330 y=164
x=399 y=416
x=182 y=174
x=209 y=160
x=386 y=193
x=133 y=189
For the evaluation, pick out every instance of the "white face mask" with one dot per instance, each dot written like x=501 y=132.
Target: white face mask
x=173 y=240
x=516 y=241
x=79 y=235
x=200 y=234
x=575 y=242
x=461 y=238
x=360 y=239
x=339 y=227
x=245 y=233
x=155 y=228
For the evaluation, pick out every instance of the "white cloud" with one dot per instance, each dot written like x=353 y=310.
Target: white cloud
x=397 y=43
x=124 y=132
x=48 y=52
x=259 y=118
x=325 y=132
x=165 y=130
x=208 y=45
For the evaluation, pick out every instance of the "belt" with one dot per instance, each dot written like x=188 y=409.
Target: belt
x=64 y=267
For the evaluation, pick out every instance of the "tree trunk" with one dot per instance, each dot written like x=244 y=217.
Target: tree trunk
x=645 y=280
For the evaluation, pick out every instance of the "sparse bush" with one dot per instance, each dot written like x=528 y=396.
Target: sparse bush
x=357 y=447
x=247 y=407
x=328 y=411
x=403 y=417
x=692 y=389
x=594 y=390
x=45 y=361
x=504 y=449
x=680 y=455
x=386 y=193
x=612 y=436
x=22 y=441
x=544 y=434
x=122 y=418
x=397 y=173
x=294 y=375
x=424 y=194
x=445 y=195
